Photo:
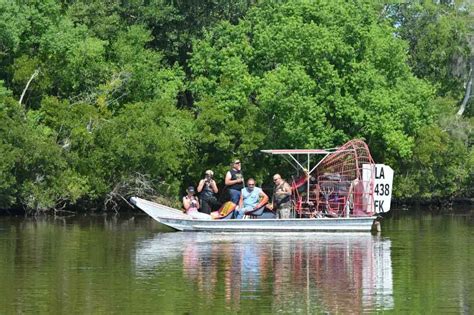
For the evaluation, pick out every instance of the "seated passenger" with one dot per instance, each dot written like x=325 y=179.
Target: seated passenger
x=251 y=198
x=191 y=205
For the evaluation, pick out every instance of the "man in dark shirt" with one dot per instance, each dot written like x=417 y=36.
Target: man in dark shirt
x=234 y=181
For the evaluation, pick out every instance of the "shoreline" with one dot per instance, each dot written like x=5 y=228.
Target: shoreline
x=457 y=204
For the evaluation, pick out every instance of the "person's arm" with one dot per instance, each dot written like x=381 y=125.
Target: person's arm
x=200 y=186
x=228 y=180
x=214 y=186
x=197 y=203
x=263 y=199
x=186 y=203
x=287 y=189
x=241 y=200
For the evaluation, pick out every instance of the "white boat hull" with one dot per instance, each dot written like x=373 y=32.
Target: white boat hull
x=176 y=219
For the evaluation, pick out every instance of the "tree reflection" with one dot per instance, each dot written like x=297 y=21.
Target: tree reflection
x=298 y=271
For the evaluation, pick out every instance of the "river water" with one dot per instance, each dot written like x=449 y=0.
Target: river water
x=420 y=264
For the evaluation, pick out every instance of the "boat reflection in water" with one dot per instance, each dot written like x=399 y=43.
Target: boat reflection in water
x=297 y=271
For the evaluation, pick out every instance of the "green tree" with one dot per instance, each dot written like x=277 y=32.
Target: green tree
x=74 y=60
x=35 y=173
x=315 y=74
x=144 y=138
x=438 y=38
x=143 y=73
x=439 y=167
x=175 y=24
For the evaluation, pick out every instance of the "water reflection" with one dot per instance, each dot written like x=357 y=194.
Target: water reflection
x=302 y=272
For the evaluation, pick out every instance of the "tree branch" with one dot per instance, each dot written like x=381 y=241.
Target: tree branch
x=467 y=95
x=135 y=185
x=27 y=85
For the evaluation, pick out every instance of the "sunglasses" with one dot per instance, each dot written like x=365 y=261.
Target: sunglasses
x=250 y=185
x=275 y=179
x=236 y=162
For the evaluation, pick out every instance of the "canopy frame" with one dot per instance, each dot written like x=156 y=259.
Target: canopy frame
x=309 y=153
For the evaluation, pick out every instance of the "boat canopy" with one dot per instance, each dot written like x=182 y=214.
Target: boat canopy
x=298 y=151
x=296 y=162
x=347 y=158
x=334 y=181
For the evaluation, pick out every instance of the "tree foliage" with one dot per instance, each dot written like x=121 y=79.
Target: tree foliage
x=142 y=96
x=317 y=75
x=438 y=38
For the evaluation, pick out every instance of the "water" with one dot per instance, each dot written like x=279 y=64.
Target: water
x=419 y=264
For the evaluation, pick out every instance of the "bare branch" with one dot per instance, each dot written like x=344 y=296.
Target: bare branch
x=28 y=84
x=462 y=108
x=467 y=95
x=135 y=185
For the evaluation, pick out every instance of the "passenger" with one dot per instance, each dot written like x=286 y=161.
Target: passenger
x=251 y=198
x=207 y=188
x=234 y=181
x=281 y=197
x=191 y=205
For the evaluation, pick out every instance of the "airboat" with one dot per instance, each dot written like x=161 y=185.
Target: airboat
x=337 y=189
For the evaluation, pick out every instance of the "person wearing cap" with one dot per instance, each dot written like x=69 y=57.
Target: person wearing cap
x=207 y=189
x=234 y=181
x=191 y=205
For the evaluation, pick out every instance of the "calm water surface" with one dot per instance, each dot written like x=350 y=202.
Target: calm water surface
x=420 y=264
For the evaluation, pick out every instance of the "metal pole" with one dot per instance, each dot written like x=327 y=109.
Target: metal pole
x=308 y=180
x=296 y=161
x=317 y=164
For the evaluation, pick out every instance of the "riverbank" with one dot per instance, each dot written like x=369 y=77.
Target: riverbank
x=454 y=205
x=438 y=203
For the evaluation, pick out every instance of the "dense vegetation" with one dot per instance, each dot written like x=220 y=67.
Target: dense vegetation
x=103 y=99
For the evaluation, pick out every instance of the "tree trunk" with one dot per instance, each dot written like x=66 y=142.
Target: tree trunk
x=467 y=95
x=28 y=84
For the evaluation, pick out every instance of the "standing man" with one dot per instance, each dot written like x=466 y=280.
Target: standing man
x=234 y=181
x=281 y=197
x=207 y=188
x=251 y=198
